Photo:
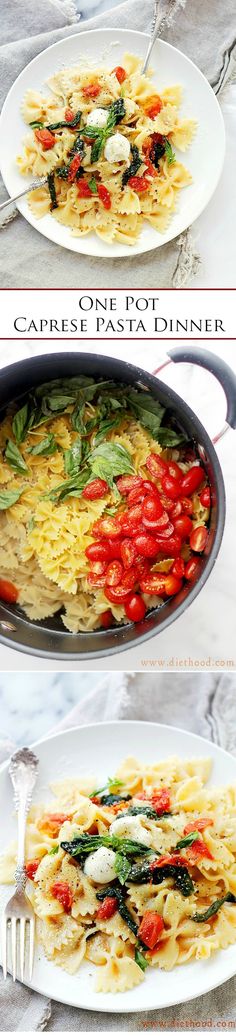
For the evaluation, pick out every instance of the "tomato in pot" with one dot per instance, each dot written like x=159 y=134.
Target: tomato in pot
x=135 y=608
x=8 y=591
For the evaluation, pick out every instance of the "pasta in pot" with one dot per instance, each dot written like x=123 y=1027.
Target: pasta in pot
x=170 y=896
x=87 y=528
x=105 y=139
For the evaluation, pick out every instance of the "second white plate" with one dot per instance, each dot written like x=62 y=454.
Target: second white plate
x=97 y=751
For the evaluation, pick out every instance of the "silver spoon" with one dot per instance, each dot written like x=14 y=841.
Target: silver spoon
x=31 y=187
x=159 y=13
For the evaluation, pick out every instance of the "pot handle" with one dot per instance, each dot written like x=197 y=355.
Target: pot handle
x=215 y=365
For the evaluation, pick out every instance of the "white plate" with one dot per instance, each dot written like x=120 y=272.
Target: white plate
x=204 y=158
x=97 y=751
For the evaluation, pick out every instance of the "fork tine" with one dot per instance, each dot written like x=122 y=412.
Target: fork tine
x=22 y=947
x=4 y=945
x=13 y=947
x=31 y=946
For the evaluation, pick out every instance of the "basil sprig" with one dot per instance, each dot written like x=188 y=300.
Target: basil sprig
x=8 y=497
x=14 y=457
x=188 y=840
x=98 y=136
x=44 y=448
x=214 y=908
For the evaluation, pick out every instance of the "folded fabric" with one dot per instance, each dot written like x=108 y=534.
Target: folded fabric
x=204 y=705
x=207 y=37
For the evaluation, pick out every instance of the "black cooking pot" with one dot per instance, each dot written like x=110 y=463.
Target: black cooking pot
x=49 y=637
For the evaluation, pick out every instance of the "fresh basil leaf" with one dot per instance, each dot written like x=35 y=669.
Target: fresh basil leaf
x=122 y=867
x=52 y=191
x=14 y=457
x=66 y=385
x=214 y=908
x=93 y=185
x=148 y=411
x=116 y=112
x=54 y=850
x=188 y=840
x=64 y=124
x=77 y=419
x=20 y=423
x=133 y=167
x=8 y=497
x=169 y=437
x=91 y=132
x=56 y=403
x=72 y=487
x=36 y=125
x=44 y=448
x=105 y=427
x=112 y=458
x=97 y=147
x=170 y=155
x=140 y=959
x=73 y=457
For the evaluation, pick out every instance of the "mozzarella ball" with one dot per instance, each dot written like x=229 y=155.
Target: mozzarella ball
x=131 y=827
x=100 y=866
x=117 y=148
x=98 y=117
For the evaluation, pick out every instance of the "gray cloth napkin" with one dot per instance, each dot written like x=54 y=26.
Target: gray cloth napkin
x=206 y=33
x=204 y=704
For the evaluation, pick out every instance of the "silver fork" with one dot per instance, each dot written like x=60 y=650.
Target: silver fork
x=161 y=9
x=31 y=187
x=18 y=911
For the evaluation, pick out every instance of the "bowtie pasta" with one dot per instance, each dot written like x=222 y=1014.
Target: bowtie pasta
x=105 y=140
x=104 y=507
x=136 y=874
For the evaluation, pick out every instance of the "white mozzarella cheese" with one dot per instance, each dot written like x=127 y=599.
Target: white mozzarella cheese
x=98 y=117
x=117 y=148
x=131 y=827
x=99 y=866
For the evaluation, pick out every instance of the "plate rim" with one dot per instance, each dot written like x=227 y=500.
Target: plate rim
x=133 y=250
x=110 y=1009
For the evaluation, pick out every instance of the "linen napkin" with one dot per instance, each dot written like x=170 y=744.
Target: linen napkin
x=205 y=35
x=204 y=704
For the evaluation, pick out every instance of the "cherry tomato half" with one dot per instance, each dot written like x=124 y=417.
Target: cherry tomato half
x=45 y=138
x=139 y=184
x=127 y=552
x=120 y=73
x=135 y=608
x=92 y=90
x=106 y=527
x=159 y=584
x=95 y=489
x=198 y=538
x=107 y=908
x=104 y=196
x=152 y=508
x=191 y=569
x=61 y=890
x=117 y=594
x=156 y=465
x=154 y=108
x=31 y=866
x=178 y=569
x=127 y=482
x=146 y=545
x=98 y=552
x=150 y=929
x=114 y=573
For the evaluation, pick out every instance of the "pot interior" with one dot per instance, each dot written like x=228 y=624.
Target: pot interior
x=49 y=636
